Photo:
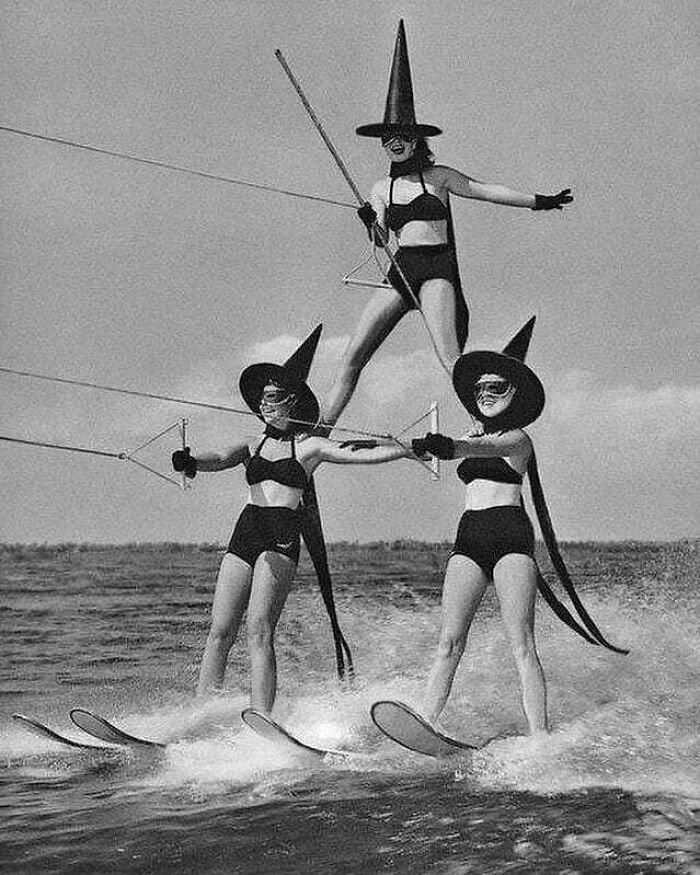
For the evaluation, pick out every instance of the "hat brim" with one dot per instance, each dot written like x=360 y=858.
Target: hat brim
x=528 y=402
x=254 y=379
x=382 y=129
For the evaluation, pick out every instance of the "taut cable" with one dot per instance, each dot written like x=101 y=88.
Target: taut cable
x=157 y=397
x=178 y=169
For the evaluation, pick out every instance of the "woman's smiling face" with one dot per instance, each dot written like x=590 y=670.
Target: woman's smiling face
x=276 y=403
x=493 y=394
x=398 y=148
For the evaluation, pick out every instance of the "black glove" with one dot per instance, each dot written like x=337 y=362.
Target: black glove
x=418 y=447
x=367 y=216
x=553 y=201
x=436 y=444
x=183 y=461
x=359 y=445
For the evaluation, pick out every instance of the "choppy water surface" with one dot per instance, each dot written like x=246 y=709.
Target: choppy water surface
x=614 y=787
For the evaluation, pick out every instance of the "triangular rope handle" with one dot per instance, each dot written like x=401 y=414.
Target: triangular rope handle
x=351 y=277
x=124 y=456
x=550 y=540
x=181 y=426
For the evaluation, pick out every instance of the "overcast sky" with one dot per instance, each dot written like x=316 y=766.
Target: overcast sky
x=147 y=279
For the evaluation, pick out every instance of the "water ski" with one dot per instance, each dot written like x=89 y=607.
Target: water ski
x=95 y=725
x=48 y=734
x=267 y=728
x=403 y=725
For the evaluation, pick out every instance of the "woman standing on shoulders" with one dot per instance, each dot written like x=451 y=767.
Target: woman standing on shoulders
x=413 y=203
x=257 y=572
x=495 y=538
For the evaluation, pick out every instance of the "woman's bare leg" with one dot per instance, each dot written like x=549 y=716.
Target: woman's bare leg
x=463 y=589
x=379 y=318
x=230 y=601
x=272 y=580
x=439 y=307
x=515 y=578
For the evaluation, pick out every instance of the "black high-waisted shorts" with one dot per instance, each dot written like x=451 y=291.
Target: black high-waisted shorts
x=265 y=528
x=421 y=263
x=488 y=535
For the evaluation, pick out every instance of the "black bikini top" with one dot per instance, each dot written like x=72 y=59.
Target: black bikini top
x=287 y=472
x=426 y=207
x=492 y=468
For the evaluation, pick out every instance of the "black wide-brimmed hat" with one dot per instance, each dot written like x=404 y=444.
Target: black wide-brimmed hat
x=292 y=375
x=399 y=113
x=528 y=401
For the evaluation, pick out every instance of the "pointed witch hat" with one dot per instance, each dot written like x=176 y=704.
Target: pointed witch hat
x=528 y=401
x=399 y=113
x=292 y=375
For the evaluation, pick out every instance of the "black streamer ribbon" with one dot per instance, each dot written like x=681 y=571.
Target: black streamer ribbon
x=312 y=533
x=592 y=633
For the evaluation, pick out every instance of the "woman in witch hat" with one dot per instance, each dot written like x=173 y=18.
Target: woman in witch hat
x=259 y=566
x=495 y=539
x=413 y=201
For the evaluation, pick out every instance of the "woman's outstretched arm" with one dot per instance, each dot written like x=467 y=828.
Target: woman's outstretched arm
x=464 y=186
x=507 y=443
x=359 y=452
x=183 y=460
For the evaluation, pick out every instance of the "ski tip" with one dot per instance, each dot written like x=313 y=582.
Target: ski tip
x=402 y=724
x=101 y=728
x=48 y=734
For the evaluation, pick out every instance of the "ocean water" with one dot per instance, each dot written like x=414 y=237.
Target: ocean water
x=615 y=787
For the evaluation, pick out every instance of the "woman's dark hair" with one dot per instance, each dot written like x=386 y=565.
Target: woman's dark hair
x=512 y=417
x=422 y=154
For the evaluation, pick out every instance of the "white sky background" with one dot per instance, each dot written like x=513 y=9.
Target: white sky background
x=144 y=278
